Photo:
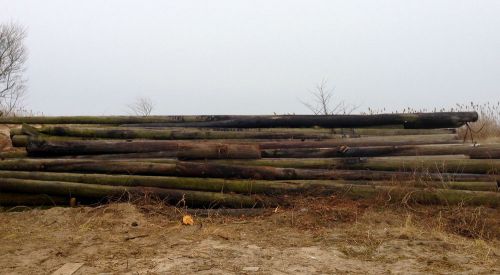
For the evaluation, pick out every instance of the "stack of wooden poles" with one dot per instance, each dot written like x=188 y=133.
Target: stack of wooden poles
x=247 y=161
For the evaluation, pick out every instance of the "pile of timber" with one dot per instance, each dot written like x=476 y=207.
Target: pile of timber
x=247 y=161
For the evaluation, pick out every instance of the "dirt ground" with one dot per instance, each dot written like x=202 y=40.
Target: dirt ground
x=322 y=236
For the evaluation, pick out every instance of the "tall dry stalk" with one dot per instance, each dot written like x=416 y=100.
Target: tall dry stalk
x=488 y=125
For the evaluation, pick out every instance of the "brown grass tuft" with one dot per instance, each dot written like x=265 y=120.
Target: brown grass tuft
x=488 y=125
x=471 y=223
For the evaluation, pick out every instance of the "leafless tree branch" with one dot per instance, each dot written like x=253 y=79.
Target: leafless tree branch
x=13 y=57
x=322 y=101
x=143 y=106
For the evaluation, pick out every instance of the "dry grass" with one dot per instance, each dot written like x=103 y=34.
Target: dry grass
x=488 y=125
x=485 y=129
x=471 y=223
x=327 y=233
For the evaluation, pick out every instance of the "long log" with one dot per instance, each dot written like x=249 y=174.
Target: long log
x=112 y=120
x=441 y=196
x=364 y=132
x=472 y=150
x=315 y=132
x=150 y=156
x=363 y=141
x=391 y=194
x=228 y=171
x=195 y=198
x=181 y=150
x=91 y=166
x=433 y=165
x=416 y=195
x=190 y=133
x=44 y=146
x=22 y=140
x=322 y=186
x=198 y=184
x=409 y=121
x=417 y=120
x=174 y=134
x=40 y=146
x=472 y=186
x=231 y=170
x=237 y=186
x=162 y=145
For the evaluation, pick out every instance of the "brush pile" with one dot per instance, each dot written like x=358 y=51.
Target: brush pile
x=247 y=161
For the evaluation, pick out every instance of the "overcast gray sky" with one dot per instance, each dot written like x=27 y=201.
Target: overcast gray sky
x=256 y=57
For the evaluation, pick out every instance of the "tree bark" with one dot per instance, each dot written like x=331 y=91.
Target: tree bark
x=90 y=166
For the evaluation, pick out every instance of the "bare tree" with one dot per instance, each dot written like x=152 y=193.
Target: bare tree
x=143 y=106
x=13 y=56
x=322 y=103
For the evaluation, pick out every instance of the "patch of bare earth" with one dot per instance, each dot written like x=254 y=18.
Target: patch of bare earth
x=325 y=235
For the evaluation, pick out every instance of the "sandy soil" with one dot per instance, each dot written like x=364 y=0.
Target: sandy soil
x=324 y=236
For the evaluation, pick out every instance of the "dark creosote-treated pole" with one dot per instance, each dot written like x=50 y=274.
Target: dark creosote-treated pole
x=226 y=133
x=245 y=149
x=410 y=121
